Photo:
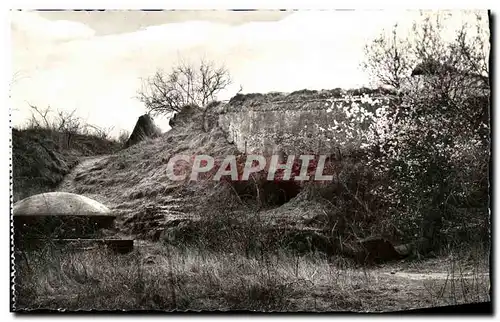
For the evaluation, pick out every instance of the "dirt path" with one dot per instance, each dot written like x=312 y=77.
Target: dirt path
x=85 y=164
x=437 y=275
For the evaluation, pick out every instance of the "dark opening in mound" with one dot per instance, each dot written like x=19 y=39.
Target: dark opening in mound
x=277 y=193
x=268 y=193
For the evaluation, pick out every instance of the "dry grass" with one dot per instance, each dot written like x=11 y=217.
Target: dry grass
x=140 y=172
x=464 y=277
x=42 y=157
x=155 y=277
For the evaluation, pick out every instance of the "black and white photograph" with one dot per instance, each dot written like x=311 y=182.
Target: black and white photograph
x=252 y=160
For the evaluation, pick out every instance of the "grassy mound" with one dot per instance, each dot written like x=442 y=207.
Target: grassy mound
x=134 y=181
x=232 y=216
x=41 y=158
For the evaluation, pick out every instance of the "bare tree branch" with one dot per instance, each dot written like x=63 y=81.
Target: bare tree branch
x=184 y=85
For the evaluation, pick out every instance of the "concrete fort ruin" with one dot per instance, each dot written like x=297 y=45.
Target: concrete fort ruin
x=295 y=123
x=64 y=218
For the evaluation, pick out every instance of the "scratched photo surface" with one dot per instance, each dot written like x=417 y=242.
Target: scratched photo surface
x=250 y=160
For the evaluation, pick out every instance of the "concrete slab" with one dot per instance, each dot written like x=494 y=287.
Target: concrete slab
x=60 y=204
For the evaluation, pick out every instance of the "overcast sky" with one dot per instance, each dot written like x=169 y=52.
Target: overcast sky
x=94 y=61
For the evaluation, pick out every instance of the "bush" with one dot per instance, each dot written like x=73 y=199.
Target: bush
x=185 y=84
x=432 y=146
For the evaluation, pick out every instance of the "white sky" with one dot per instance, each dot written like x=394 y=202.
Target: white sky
x=93 y=62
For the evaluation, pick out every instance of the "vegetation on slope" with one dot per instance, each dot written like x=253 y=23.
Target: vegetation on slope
x=255 y=215
x=41 y=157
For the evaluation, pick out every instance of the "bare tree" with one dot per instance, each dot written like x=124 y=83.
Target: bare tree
x=67 y=123
x=184 y=85
x=392 y=59
x=39 y=118
x=387 y=59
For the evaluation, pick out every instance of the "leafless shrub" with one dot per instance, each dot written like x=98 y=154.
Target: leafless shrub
x=387 y=61
x=185 y=84
x=39 y=118
x=67 y=123
x=101 y=132
x=61 y=121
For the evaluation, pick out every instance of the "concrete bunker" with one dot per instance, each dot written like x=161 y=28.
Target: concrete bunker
x=63 y=218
